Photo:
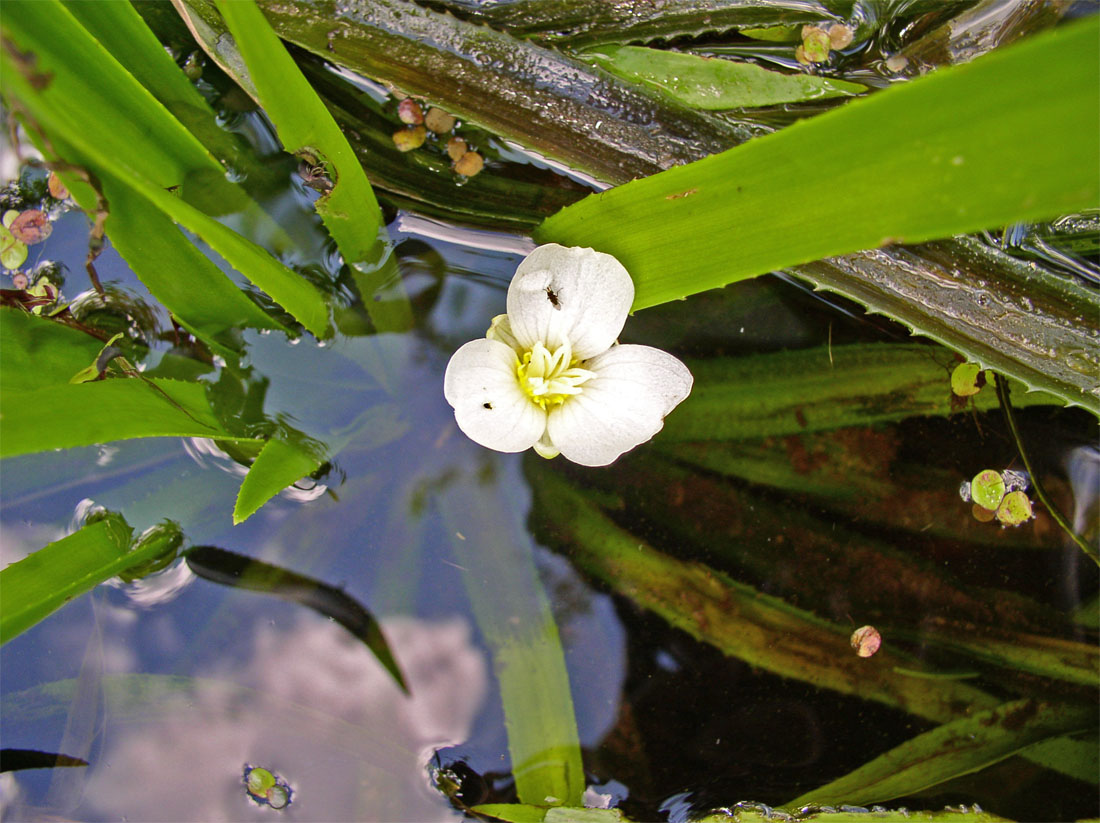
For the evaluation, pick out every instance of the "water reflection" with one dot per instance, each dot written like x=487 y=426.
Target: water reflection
x=310 y=703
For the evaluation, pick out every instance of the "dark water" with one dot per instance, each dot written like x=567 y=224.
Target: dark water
x=170 y=685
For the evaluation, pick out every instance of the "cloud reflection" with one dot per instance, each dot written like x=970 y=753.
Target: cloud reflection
x=313 y=705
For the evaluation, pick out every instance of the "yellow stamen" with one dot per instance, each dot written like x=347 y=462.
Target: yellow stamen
x=550 y=378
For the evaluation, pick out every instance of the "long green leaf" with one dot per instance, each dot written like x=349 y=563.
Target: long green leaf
x=793 y=392
x=41 y=410
x=43 y=582
x=53 y=56
x=952 y=750
x=496 y=555
x=63 y=417
x=715 y=83
x=197 y=292
x=1011 y=136
x=121 y=30
x=279 y=464
x=350 y=211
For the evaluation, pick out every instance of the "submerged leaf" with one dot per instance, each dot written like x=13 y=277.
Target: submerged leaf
x=236 y=570
x=952 y=750
x=16 y=759
x=715 y=83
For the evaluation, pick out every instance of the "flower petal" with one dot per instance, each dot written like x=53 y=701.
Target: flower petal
x=490 y=407
x=623 y=406
x=578 y=295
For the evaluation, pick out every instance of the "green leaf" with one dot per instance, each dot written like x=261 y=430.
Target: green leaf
x=952 y=750
x=828 y=387
x=64 y=68
x=1010 y=136
x=496 y=554
x=64 y=416
x=278 y=465
x=76 y=93
x=123 y=32
x=197 y=292
x=350 y=211
x=41 y=583
x=520 y=813
x=36 y=352
x=713 y=82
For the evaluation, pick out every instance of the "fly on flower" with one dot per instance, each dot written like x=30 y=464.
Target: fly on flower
x=550 y=375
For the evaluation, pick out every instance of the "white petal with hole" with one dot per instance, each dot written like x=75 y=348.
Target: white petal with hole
x=573 y=295
x=490 y=407
x=622 y=407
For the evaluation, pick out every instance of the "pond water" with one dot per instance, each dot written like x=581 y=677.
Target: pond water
x=171 y=686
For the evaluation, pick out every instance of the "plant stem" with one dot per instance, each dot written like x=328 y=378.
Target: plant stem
x=1006 y=405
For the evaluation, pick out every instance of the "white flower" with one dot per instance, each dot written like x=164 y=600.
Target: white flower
x=549 y=373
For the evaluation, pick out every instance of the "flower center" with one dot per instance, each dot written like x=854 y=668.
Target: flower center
x=550 y=378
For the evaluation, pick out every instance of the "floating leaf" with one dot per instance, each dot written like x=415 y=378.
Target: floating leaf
x=714 y=82
x=31 y=226
x=13 y=251
x=987 y=489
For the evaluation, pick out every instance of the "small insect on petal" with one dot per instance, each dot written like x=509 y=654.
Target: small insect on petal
x=31 y=226
x=866 y=640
